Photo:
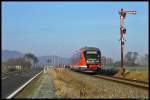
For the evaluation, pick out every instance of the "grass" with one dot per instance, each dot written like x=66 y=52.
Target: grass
x=138 y=75
x=31 y=88
x=142 y=75
x=61 y=80
x=68 y=85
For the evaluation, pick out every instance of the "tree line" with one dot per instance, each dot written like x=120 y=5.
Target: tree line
x=130 y=59
x=28 y=61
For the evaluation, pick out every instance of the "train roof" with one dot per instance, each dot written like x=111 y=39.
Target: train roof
x=90 y=48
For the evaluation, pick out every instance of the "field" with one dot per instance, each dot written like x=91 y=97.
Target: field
x=138 y=75
x=136 y=72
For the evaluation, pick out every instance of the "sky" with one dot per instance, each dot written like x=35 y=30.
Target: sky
x=60 y=28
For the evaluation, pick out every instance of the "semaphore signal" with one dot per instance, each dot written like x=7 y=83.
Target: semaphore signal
x=122 y=14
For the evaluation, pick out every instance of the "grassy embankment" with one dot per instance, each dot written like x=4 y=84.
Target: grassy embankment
x=29 y=91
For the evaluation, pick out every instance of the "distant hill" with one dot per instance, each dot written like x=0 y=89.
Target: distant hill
x=54 y=60
x=7 y=54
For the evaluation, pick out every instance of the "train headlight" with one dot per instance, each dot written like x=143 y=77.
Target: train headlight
x=87 y=61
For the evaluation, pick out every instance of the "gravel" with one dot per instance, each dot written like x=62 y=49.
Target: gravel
x=46 y=89
x=108 y=89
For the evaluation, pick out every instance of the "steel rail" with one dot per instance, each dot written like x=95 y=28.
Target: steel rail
x=135 y=83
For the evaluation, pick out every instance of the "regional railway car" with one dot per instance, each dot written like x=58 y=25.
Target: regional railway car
x=86 y=59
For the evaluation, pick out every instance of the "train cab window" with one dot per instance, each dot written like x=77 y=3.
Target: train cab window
x=91 y=54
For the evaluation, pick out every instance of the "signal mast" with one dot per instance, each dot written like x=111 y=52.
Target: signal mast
x=122 y=14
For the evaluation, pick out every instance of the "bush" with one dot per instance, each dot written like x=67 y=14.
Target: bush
x=12 y=69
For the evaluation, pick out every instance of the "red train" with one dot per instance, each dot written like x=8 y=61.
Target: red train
x=86 y=59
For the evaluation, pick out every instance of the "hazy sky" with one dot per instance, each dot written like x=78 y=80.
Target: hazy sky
x=60 y=28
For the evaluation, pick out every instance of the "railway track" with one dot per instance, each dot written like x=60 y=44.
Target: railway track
x=135 y=83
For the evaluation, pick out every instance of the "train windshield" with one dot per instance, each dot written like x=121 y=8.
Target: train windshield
x=92 y=54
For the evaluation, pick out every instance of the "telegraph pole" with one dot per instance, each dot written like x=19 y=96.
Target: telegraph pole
x=122 y=14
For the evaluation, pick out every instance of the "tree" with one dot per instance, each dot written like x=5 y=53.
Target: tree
x=12 y=62
x=48 y=60
x=135 y=55
x=17 y=62
x=36 y=61
x=146 y=58
x=109 y=61
x=33 y=59
x=130 y=58
x=106 y=60
x=103 y=60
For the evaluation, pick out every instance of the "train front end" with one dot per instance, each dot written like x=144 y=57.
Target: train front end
x=93 y=59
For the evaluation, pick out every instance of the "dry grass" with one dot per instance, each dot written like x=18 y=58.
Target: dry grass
x=68 y=85
x=139 y=75
x=61 y=80
x=142 y=75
